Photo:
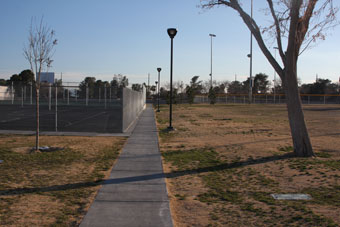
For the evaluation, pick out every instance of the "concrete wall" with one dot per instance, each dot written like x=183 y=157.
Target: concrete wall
x=133 y=102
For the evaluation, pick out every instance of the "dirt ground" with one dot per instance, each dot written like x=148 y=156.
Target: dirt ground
x=223 y=162
x=52 y=188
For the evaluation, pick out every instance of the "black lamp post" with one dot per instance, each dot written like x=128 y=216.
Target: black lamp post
x=172 y=33
x=158 y=95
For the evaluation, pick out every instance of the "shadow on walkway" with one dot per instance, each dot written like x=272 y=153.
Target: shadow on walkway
x=221 y=167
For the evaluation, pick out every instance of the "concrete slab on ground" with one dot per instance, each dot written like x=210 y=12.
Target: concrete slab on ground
x=90 y=134
x=135 y=193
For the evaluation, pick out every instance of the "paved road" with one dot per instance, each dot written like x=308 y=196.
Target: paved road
x=135 y=194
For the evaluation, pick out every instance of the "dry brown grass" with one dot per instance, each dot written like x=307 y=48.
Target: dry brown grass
x=52 y=188
x=224 y=161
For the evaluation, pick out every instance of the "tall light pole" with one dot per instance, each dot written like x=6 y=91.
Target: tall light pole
x=148 y=90
x=275 y=48
x=211 y=36
x=172 y=33
x=251 y=60
x=158 y=95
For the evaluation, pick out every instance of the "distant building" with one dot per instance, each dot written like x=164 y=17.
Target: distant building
x=5 y=93
x=46 y=77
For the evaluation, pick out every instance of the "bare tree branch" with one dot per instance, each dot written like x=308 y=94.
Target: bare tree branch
x=278 y=29
x=253 y=27
x=39 y=52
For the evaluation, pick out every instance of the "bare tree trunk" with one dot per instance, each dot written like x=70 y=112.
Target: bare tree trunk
x=300 y=136
x=37 y=118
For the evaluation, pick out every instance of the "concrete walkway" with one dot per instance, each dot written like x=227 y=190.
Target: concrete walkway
x=135 y=194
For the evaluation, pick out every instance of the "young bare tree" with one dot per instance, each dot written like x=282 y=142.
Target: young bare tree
x=298 y=23
x=39 y=51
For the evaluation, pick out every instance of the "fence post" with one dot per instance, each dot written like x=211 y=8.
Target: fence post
x=274 y=98
x=56 y=107
x=25 y=93
x=68 y=96
x=31 y=93
x=266 y=99
x=105 y=95
x=99 y=94
x=226 y=99
x=87 y=95
x=279 y=98
x=324 y=99
x=308 y=99
x=22 y=96
x=12 y=93
x=110 y=94
x=76 y=94
x=49 y=97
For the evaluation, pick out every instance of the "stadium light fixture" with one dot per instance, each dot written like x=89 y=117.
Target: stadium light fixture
x=211 y=36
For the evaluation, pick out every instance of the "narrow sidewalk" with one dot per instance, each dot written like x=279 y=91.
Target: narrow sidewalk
x=135 y=194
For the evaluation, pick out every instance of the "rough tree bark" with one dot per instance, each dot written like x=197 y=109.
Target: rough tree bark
x=300 y=136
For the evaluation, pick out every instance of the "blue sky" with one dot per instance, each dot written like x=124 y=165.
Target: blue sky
x=106 y=37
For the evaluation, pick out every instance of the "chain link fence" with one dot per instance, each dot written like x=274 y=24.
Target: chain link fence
x=269 y=99
x=71 y=107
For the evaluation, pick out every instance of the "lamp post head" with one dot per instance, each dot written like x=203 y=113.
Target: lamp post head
x=172 y=32
x=212 y=35
x=159 y=69
x=156 y=82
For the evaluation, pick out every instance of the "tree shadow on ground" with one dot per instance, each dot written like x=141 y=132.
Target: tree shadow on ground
x=145 y=177
x=284 y=138
x=321 y=109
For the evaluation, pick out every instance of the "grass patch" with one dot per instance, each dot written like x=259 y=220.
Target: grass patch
x=165 y=134
x=230 y=166
x=286 y=149
x=325 y=195
x=220 y=196
x=180 y=196
x=263 y=197
x=52 y=188
x=323 y=155
x=189 y=159
x=205 y=115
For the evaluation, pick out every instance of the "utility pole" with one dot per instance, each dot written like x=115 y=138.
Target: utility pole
x=211 y=36
x=159 y=84
x=251 y=60
x=148 y=84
